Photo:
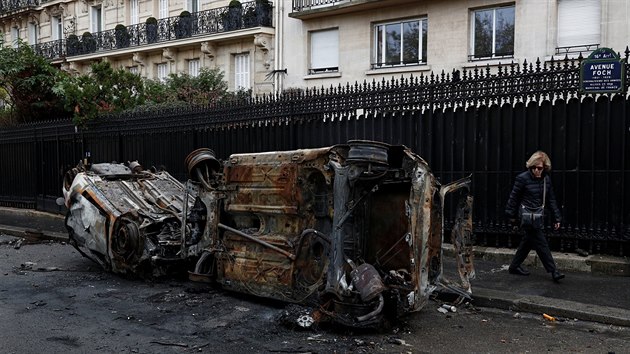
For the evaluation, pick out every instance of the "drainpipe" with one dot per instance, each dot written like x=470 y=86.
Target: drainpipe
x=279 y=40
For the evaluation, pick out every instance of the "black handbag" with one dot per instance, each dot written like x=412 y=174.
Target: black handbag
x=533 y=218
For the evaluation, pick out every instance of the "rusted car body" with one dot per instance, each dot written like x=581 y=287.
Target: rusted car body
x=356 y=230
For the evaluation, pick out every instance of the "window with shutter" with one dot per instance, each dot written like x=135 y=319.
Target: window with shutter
x=193 y=6
x=163 y=11
x=193 y=67
x=241 y=71
x=162 y=71
x=324 y=51
x=33 y=33
x=15 y=35
x=578 y=23
x=133 y=12
x=96 y=18
x=56 y=27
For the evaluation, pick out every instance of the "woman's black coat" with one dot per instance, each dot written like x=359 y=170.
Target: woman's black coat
x=528 y=191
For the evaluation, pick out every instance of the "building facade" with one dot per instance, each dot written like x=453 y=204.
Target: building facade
x=335 y=42
x=293 y=44
x=151 y=38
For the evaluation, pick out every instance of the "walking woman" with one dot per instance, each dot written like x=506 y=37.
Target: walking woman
x=533 y=190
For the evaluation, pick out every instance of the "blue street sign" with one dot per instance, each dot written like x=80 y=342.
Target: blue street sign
x=602 y=72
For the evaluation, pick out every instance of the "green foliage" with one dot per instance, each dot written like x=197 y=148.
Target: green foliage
x=120 y=27
x=103 y=90
x=235 y=4
x=27 y=82
x=184 y=14
x=151 y=21
x=208 y=87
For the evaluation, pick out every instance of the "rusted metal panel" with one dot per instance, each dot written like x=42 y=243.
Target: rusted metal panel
x=354 y=229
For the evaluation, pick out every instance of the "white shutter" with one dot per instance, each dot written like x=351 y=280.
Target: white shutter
x=193 y=6
x=133 y=11
x=578 y=22
x=97 y=18
x=325 y=49
x=193 y=67
x=163 y=8
x=241 y=71
x=15 y=35
x=162 y=71
x=32 y=33
x=57 y=28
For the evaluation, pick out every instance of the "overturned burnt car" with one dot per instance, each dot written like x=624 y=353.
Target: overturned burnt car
x=354 y=230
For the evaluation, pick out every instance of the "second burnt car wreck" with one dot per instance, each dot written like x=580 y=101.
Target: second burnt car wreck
x=355 y=230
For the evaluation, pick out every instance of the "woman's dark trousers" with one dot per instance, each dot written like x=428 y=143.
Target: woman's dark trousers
x=534 y=239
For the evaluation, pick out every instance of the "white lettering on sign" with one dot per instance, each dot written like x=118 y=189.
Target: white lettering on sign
x=602 y=69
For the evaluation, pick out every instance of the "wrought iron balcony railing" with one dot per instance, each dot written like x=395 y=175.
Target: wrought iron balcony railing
x=301 y=5
x=225 y=19
x=10 y=6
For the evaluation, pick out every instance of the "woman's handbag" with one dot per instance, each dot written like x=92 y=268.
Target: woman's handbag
x=533 y=218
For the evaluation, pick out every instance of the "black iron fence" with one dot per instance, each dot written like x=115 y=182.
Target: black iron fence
x=475 y=122
x=223 y=19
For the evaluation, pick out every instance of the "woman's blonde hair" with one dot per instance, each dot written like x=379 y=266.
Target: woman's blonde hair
x=539 y=156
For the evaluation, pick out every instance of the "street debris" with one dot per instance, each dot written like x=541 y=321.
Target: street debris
x=449 y=307
x=353 y=232
x=548 y=317
x=17 y=244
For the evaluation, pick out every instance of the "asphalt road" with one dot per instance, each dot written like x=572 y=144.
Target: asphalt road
x=55 y=301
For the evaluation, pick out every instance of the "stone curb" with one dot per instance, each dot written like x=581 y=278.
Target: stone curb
x=33 y=235
x=595 y=264
x=553 y=307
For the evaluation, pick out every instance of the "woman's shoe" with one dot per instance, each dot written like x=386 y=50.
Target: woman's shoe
x=557 y=275
x=519 y=270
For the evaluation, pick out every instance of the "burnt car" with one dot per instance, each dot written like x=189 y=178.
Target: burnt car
x=354 y=230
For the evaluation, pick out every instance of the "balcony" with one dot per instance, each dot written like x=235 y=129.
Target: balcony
x=214 y=21
x=11 y=7
x=307 y=9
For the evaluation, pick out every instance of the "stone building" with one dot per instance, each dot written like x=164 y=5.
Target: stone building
x=289 y=44
x=151 y=38
x=334 y=41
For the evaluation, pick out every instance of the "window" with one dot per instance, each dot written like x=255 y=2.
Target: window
x=57 y=28
x=400 y=43
x=193 y=67
x=32 y=33
x=493 y=32
x=241 y=71
x=163 y=10
x=134 y=70
x=324 y=51
x=162 y=71
x=578 y=22
x=15 y=35
x=96 y=18
x=193 y=5
x=133 y=12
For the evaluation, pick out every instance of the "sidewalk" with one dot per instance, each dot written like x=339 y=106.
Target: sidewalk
x=596 y=288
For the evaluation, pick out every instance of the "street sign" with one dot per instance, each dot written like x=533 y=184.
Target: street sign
x=602 y=72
